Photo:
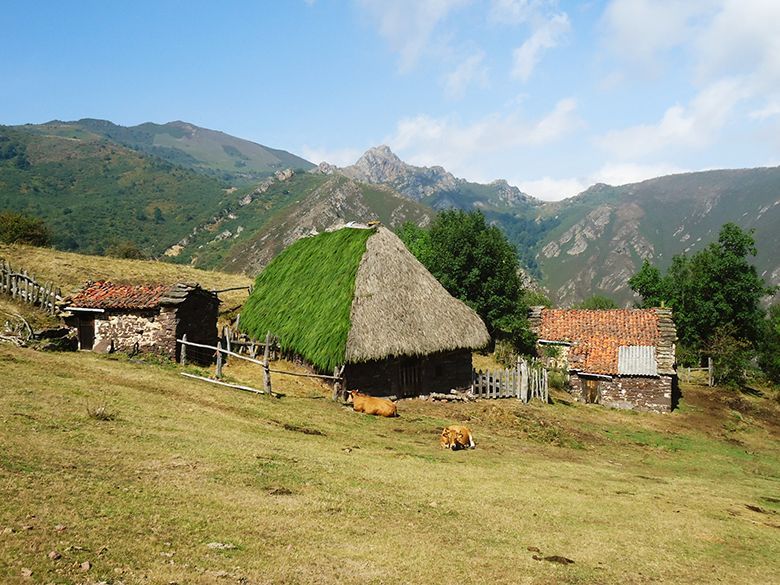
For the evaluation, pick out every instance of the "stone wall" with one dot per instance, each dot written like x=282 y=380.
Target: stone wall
x=153 y=330
x=438 y=372
x=632 y=392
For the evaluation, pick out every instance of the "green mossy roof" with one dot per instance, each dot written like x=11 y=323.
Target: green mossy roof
x=311 y=282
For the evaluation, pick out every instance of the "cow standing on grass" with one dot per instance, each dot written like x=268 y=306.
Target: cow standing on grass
x=371 y=405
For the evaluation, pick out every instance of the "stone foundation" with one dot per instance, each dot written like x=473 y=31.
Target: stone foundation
x=631 y=392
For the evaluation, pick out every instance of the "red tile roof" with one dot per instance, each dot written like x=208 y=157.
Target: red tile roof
x=596 y=335
x=107 y=295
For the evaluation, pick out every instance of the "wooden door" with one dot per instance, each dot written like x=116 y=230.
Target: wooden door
x=86 y=332
x=409 y=378
x=591 y=391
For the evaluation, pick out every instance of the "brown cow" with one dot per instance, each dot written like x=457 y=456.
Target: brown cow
x=457 y=437
x=371 y=405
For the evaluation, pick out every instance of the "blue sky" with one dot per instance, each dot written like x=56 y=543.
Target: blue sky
x=552 y=96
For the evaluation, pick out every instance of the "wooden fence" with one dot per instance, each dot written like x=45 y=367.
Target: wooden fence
x=24 y=287
x=690 y=375
x=221 y=354
x=526 y=381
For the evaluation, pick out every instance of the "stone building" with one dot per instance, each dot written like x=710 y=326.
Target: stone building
x=622 y=358
x=143 y=318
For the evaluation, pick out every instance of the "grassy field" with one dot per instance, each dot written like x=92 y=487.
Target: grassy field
x=186 y=482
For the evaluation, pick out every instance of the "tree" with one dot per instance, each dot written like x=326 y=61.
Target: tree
x=125 y=250
x=715 y=288
x=17 y=228
x=476 y=263
x=769 y=348
x=597 y=302
x=158 y=216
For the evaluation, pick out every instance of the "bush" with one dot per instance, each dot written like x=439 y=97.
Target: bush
x=730 y=357
x=125 y=250
x=17 y=228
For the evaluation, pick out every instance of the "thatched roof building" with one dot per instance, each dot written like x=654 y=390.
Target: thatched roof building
x=357 y=297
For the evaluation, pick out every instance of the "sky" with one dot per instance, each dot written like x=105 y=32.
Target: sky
x=552 y=96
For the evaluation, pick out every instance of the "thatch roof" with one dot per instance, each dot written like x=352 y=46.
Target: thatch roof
x=399 y=308
x=357 y=295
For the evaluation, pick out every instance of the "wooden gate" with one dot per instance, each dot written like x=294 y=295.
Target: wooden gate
x=528 y=380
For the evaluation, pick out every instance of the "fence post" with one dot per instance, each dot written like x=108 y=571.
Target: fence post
x=183 y=353
x=266 y=370
x=710 y=373
x=219 y=360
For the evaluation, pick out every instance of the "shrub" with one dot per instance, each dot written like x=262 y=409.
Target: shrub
x=17 y=228
x=731 y=357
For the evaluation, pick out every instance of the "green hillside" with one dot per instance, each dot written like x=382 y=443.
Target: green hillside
x=93 y=193
x=602 y=235
x=315 y=203
x=208 y=151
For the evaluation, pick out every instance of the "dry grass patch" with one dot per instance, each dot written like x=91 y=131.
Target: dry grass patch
x=70 y=271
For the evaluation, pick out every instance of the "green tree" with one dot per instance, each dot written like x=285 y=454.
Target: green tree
x=476 y=263
x=715 y=288
x=16 y=228
x=158 y=215
x=597 y=302
x=125 y=250
x=769 y=348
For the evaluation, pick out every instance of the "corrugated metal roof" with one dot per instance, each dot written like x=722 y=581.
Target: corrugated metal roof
x=637 y=360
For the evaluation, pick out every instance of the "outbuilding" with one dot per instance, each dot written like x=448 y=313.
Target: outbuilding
x=357 y=298
x=617 y=357
x=142 y=318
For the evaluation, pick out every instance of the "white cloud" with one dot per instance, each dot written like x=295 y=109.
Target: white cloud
x=550 y=189
x=409 y=25
x=514 y=11
x=770 y=110
x=742 y=36
x=547 y=36
x=694 y=126
x=638 y=30
x=462 y=148
x=623 y=173
x=615 y=174
x=470 y=71
x=341 y=157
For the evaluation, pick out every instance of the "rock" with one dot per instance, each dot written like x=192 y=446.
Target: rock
x=85 y=566
x=221 y=545
x=26 y=573
x=60 y=528
x=54 y=555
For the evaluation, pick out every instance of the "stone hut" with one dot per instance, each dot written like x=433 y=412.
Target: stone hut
x=622 y=358
x=357 y=299
x=143 y=318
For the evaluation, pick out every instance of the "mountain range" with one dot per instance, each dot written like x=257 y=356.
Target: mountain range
x=192 y=195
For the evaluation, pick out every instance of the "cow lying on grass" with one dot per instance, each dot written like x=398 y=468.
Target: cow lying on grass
x=457 y=437
x=372 y=405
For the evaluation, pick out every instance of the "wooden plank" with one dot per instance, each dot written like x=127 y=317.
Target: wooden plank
x=237 y=386
x=266 y=372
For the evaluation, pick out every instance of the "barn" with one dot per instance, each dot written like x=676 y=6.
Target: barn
x=622 y=358
x=142 y=318
x=357 y=298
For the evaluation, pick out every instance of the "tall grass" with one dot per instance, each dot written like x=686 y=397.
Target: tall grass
x=304 y=296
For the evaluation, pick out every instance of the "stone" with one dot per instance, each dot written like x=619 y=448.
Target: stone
x=54 y=555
